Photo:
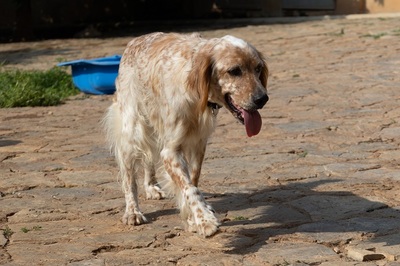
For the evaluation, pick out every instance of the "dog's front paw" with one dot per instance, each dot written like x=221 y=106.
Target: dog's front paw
x=208 y=227
x=133 y=218
x=191 y=224
x=154 y=192
x=206 y=222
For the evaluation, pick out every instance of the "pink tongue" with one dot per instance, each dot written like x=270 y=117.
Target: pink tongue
x=252 y=122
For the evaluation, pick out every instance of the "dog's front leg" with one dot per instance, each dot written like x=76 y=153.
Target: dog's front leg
x=191 y=202
x=196 y=161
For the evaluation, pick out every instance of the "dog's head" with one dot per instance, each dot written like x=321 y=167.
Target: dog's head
x=230 y=72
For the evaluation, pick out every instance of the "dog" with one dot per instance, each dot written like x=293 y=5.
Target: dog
x=168 y=92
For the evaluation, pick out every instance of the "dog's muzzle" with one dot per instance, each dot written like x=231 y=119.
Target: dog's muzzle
x=260 y=99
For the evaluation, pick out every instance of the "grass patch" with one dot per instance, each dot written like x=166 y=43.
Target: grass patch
x=375 y=36
x=25 y=230
x=35 y=88
x=7 y=232
x=239 y=218
x=337 y=34
x=35 y=228
x=302 y=154
x=396 y=32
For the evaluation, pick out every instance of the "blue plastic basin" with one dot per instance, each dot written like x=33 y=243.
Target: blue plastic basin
x=95 y=76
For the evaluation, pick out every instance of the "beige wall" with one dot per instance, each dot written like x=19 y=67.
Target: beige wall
x=272 y=8
x=382 y=6
x=366 y=6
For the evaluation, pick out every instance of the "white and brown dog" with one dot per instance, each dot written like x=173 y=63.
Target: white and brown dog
x=169 y=90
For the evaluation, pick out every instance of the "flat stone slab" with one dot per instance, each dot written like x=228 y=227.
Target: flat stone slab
x=380 y=248
x=290 y=253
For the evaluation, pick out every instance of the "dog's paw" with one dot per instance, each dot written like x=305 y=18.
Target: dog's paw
x=154 y=192
x=208 y=227
x=206 y=222
x=191 y=224
x=134 y=218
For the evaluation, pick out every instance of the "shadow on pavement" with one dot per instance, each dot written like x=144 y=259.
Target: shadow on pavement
x=20 y=56
x=6 y=142
x=323 y=217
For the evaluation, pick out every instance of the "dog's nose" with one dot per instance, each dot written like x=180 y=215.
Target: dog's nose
x=260 y=100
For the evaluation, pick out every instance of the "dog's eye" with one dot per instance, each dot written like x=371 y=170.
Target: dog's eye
x=259 y=68
x=236 y=71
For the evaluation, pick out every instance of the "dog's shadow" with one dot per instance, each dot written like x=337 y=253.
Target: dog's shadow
x=7 y=142
x=271 y=213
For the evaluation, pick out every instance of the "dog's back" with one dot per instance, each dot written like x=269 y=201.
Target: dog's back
x=152 y=79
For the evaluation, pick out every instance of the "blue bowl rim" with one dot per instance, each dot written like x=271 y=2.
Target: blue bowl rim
x=102 y=61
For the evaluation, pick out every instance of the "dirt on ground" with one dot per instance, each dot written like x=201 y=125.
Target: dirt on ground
x=320 y=184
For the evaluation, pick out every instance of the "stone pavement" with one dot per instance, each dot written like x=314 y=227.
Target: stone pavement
x=320 y=185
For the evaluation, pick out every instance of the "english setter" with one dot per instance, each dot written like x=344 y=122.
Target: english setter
x=169 y=90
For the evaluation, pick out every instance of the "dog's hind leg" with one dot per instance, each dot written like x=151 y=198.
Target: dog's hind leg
x=133 y=215
x=153 y=190
x=122 y=140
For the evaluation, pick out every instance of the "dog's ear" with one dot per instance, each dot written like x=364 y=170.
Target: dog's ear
x=264 y=72
x=199 y=79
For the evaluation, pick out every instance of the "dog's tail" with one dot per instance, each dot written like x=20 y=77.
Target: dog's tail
x=112 y=127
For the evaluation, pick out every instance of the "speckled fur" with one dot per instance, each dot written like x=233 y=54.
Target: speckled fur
x=160 y=113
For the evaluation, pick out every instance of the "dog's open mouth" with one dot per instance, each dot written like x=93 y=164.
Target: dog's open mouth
x=250 y=118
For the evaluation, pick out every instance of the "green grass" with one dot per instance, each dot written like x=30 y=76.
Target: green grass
x=302 y=154
x=375 y=36
x=239 y=218
x=340 y=33
x=396 y=32
x=35 y=228
x=7 y=232
x=25 y=230
x=35 y=88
